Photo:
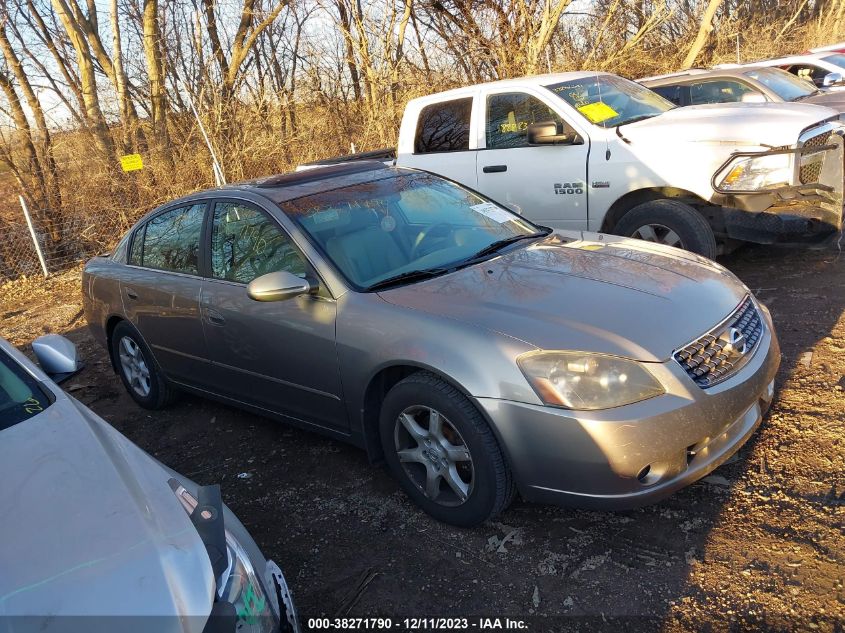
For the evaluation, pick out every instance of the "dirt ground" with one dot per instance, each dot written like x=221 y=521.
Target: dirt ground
x=758 y=544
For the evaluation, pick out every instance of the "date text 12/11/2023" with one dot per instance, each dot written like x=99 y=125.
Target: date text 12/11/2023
x=418 y=624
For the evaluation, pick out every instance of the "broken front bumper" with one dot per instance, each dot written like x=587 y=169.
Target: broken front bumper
x=810 y=211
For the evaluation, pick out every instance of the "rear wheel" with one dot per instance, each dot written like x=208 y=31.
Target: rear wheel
x=669 y=222
x=443 y=453
x=138 y=370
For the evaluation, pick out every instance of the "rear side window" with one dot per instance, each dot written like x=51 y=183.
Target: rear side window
x=444 y=127
x=672 y=93
x=171 y=240
x=246 y=243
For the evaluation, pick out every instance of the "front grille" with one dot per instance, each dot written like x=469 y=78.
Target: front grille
x=809 y=174
x=721 y=353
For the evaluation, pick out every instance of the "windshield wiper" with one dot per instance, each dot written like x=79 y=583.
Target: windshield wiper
x=500 y=244
x=407 y=277
x=639 y=117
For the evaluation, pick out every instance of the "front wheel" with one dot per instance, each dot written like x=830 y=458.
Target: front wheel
x=440 y=448
x=669 y=222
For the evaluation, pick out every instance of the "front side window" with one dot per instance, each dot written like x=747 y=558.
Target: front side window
x=809 y=73
x=407 y=223
x=508 y=118
x=171 y=240
x=609 y=101
x=246 y=243
x=21 y=397
x=444 y=127
x=787 y=87
x=719 y=91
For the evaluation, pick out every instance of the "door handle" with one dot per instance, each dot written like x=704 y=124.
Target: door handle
x=214 y=317
x=131 y=293
x=494 y=169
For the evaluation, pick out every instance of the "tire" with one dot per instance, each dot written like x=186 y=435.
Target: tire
x=687 y=224
x=139 y=372
x=489 y=486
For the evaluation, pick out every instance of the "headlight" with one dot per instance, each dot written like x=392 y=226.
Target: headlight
x=238 y=584
x=587 y=381
x=762 y=172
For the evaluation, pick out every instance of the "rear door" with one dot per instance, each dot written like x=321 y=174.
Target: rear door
x=546 y=184
x=277 y=355
x=443 y=143
x=161 y=286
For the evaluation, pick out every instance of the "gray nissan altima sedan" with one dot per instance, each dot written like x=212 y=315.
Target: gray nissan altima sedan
x=476 y=353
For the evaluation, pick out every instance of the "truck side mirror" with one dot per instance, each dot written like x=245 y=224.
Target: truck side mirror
x=832 y=79
x=552 y=133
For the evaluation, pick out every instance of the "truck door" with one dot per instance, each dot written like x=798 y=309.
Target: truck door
x=547 y=184
x=442 y=141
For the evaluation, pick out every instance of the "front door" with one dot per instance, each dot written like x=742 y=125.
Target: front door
x=278 y=355
x=546 y=184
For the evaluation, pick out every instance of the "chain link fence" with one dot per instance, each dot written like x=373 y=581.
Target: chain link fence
x=66 y=240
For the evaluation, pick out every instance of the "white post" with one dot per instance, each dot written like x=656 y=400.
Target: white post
x=219 y=177
x=34 y=236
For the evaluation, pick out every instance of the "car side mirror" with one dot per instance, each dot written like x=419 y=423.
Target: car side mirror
x=832 y=79
x=753 y=97
x=278 y=286
x=552 y=133
x=57 y=356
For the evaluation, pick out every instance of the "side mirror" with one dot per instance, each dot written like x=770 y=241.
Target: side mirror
x=832 y=79
x=753 y=97
x=277 y=286
x=551 y=133
x=57 y=356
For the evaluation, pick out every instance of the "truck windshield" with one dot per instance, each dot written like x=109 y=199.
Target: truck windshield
x=785 y=85
x=21 y=397
x=402 y=225
x=610 y=101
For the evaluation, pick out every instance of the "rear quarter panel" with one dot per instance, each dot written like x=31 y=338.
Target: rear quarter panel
x=101 y=298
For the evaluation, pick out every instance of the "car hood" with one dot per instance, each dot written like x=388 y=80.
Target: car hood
x=91 y=527
x=833 y=100
x=586 y=292
x=741 y=124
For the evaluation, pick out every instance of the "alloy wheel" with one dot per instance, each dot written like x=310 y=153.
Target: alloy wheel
x=659 y=234
x=434 y=456
x=134 y=366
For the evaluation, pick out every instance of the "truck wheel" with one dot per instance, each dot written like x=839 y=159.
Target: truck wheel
x=443 y=453
x=669 y=222
x=138 y=370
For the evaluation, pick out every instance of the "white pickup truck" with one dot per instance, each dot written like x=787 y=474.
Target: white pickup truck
x=597 y=152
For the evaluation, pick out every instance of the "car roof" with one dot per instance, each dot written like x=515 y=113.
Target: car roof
x=283 y=187
x=792 y=59
x=739 y=72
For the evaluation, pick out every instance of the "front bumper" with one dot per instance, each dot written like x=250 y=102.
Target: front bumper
x=637 y=454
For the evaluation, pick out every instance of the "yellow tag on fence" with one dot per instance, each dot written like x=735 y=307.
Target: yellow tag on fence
x=598 y=111
x=131 y=162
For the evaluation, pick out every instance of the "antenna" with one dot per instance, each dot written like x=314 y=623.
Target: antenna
x=219 y=177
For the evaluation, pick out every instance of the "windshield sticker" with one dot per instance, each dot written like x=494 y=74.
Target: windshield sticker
x=493 y=211
x=598 y=111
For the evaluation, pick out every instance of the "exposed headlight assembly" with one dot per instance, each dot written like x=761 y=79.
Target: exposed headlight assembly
x=587 y=382
x=238 y=584
x=756 y=173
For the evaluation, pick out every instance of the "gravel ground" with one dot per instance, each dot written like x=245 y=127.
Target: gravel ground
x=758 y=544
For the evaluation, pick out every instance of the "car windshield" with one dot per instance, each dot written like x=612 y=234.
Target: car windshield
x=785 y=85
x=610 y=101
x=837 y=59
x=21 y=397
x=410 y=225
